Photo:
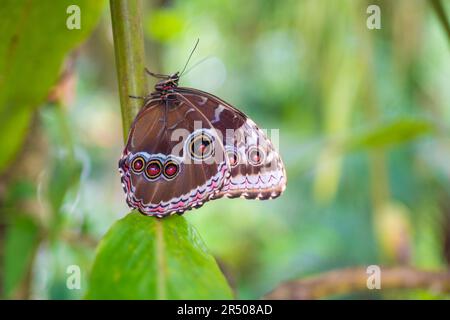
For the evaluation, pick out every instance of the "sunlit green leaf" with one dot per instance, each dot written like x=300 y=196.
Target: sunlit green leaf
x=164 y=25
x=145 y=258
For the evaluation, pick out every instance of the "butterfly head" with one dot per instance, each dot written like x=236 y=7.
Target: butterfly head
x=168 y=83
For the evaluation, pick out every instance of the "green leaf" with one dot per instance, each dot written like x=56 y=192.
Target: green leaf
x=145 y=258
x=20 y=244
x=391 y=133
x=35 y=40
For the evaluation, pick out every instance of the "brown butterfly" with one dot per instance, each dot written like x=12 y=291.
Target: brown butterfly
x=186 y=147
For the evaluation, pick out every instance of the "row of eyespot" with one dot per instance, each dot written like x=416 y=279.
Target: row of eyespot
x=154 y=168
x=201 y=147
x=255 y=157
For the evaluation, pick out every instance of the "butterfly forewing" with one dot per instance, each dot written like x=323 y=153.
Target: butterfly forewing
x=168 y=180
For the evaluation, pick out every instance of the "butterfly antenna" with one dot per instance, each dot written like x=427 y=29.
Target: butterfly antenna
x=197 y=63
x=192 y=52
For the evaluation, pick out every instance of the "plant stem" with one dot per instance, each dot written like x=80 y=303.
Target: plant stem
x=129 y=50
x=344 y=281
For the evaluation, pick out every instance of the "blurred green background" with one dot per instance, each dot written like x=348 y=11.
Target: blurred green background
x=364 y=133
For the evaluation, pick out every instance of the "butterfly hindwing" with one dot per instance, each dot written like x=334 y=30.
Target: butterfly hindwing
x=257 y=171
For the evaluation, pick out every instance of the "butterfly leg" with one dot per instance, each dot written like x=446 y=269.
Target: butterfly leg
x=137 y=97
x=156 y=75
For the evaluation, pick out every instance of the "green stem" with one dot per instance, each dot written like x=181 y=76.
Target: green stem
x=129 y=49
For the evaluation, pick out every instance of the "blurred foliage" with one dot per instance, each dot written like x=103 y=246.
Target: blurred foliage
x=20 y=243
x=364 y=132
x=142 y=258
x=32 y=51
x=390 y=133
x=164 y=24
x=62 y=181
x=35 y=41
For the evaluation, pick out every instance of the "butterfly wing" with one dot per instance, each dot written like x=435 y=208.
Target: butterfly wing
x=257 y=171
x=159 y=171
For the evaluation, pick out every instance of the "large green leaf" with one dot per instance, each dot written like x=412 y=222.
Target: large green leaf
x=34 y=42
x=145 y=258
